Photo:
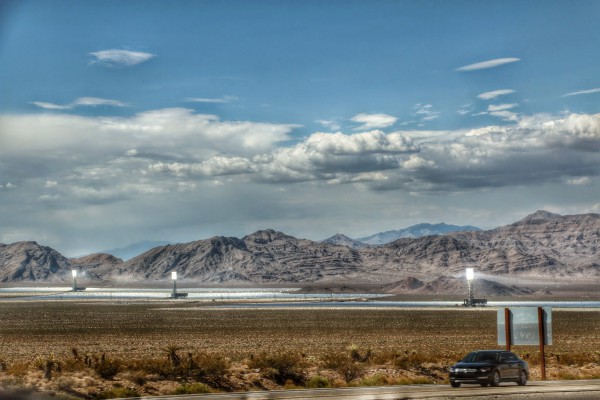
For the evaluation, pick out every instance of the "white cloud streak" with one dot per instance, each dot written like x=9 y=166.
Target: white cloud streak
x=81 y=101
x=580 y=92
x=121 y=58
x=220 y=100
x=500 y=107
x=487 y=64
x=495 y=93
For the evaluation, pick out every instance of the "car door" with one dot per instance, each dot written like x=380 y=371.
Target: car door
x=510 y=365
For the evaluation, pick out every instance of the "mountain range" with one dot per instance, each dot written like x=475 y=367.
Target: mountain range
x=414 y=231
x=541 y=244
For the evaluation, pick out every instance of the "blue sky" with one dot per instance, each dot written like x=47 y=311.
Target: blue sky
x=178 y=120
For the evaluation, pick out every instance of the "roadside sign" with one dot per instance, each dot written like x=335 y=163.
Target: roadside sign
x=518 y=326
x=524 y=328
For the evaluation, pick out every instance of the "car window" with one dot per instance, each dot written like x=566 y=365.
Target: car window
x=481 y=356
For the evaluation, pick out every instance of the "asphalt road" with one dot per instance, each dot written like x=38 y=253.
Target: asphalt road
x=535 y=390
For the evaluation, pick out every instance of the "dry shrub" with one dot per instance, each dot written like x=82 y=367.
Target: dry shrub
x=318 y=382
x=107 y=369
x=343 y=364
x=138 y=377
x=409 y=360
x=577 y=359
x=357 y=356
x=209 y=366
x=375 y=380
x=18 y=369
x=279 y=367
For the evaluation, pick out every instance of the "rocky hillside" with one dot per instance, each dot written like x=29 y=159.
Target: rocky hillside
x=541 y=244
x=28 y=261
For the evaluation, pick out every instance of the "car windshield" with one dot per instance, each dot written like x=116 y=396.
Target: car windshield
x=481 y=356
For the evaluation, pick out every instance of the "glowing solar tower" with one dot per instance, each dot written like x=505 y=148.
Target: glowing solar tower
x=470 y=275
x=74 y=274
x=174 y=278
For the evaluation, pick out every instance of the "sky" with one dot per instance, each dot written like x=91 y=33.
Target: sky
x=123 y=121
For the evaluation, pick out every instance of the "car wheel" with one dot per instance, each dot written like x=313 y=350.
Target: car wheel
x=484 y=384
x=522 y=379
x=495 y=379
x=455 y=384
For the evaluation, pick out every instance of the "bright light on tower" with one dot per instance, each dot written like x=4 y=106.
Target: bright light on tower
x=173 y=275
x=73 y=273
x=470 y=274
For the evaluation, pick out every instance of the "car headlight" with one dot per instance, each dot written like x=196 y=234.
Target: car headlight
x=452 y=369
x=485 y=369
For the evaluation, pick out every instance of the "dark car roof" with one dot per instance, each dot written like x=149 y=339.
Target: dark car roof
x=491 y=351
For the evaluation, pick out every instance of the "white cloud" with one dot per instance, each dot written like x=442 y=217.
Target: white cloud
x=488 y=64
x=373 y=121
x=495 y=93
x=50 y=106
x=221 y=100
x=48 y=197
x=425 y=112
x=50 y=184
x=321 y=156
x=465 y=109
x=588 y=91
x=121 y=58
x=10 y=185
x=501 y=107
x=96 y=101
x=505 y=115
x=176 y=132
x=584 y=180
x=501 y=111
x=416 y=162
x=214 y=166
x=329 y=124
x=81 y=101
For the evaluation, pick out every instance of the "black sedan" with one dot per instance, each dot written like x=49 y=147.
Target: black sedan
x=489 y=367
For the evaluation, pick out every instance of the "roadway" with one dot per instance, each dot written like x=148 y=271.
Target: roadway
x=535 y=390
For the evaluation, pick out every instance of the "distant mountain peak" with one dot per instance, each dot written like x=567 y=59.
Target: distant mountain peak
x=135 y=249
x=266 y=236
x=540 y=215
x=342 y=240
x=414 y=231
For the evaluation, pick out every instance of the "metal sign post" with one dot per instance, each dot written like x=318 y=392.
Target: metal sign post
x=542 y=336
x=507 y=328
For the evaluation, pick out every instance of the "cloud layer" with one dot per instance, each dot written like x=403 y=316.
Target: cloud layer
x=162 y=145
x=187 y=166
